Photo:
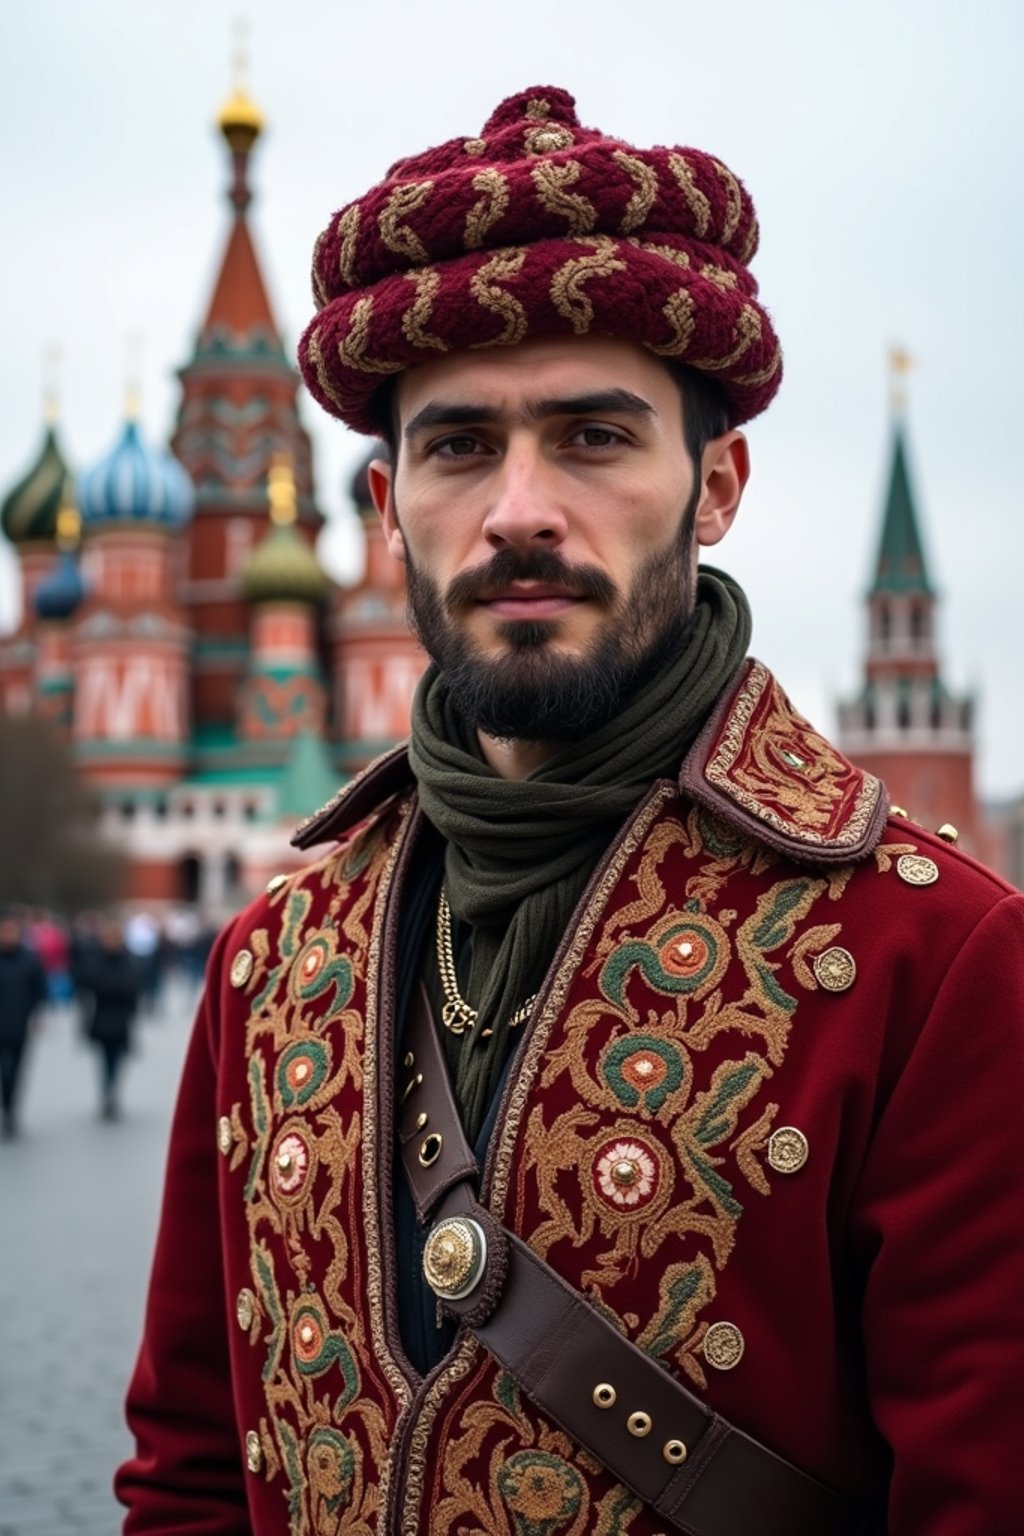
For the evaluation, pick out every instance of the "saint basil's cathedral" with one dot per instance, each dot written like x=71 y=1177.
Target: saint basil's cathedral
x=215 y=686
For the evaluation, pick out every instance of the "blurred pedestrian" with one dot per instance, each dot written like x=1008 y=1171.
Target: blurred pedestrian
x=22 y=989
x=111 y=982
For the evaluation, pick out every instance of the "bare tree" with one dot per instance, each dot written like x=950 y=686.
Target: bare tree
x=51 y=851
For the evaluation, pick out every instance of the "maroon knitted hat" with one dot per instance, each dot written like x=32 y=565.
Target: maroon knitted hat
x=540 y=228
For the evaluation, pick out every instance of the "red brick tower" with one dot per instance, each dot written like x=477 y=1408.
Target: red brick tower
x=905 y=725
x=238 y=411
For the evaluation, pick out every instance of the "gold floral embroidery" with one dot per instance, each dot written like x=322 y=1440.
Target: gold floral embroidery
x=397 y=236
x=567 y=292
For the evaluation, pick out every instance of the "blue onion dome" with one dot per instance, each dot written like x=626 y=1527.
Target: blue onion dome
x=62 y=589
x=29 y=511
x=282 y=568
x=136 y=484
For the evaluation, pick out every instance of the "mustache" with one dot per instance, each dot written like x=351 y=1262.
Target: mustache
x=510 y=565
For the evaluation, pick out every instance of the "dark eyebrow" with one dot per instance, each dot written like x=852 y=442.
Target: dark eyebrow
x=618 y=402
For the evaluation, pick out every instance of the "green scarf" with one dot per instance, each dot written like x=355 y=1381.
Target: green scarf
x=519 y=852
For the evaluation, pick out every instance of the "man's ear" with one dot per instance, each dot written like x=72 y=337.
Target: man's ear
x=725 y=470
x=379 y=475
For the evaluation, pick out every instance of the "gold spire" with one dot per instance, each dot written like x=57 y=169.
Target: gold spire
x=240 y=119
x=51 y=399
x=69 y=519
x=133 y=377
x=900 y=364
x=281 y=490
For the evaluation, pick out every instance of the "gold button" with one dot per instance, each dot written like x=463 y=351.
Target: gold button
x=625 y=1173
x=253 y=1452
x=245 y=1309
x=915 y=869
x=604 y=1395
x=410 y=1059
x=948 y=832
x=275 y=883
x=897 y=810
x=639 y=1424
x=241 y=968
x=421 y=1120
x=723 y=1346
x=225 y=1135
x=835 y=969
x=544 y=140
x=284 y=1161
x=454 y=1257
x=674 y=1451
x=787 y=1149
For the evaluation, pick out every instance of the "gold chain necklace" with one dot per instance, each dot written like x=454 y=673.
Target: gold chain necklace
x=456 y=1014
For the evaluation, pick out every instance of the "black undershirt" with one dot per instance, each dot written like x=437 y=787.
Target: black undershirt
x=426 y=1340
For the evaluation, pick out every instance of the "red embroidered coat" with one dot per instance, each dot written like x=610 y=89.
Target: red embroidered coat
x=797 y=1026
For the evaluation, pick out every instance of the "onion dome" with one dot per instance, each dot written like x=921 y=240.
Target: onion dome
x=282 y=568
x=29 y=511
x=136 y=484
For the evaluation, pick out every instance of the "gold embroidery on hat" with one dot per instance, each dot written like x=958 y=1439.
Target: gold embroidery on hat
x=488 y=209
x=678 y=311
x=566 y=285
x=399 y=237
x=642 y=200
x=416 y=316
x=698 y=204
x=547 y=139
x=747 y=330
x=734 y=201
x=666 y=252
x=319 y=291
x=551 y=181
x=502 y=267
x=719 y=276
x=538 y=109
x=750 y=244
x=474 y=146
x=322 y=378
x=352 y=347
x=762 y=375
x=348 y=229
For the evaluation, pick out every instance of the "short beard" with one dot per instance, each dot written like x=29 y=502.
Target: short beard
x=531 y=693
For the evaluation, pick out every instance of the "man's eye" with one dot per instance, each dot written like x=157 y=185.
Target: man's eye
x=457 y=447
x=597 y=437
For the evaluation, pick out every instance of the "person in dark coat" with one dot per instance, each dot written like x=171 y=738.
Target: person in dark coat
x=22 y=989
x=111 y=982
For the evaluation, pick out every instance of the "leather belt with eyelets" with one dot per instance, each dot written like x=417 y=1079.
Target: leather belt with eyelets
x=655 y=1436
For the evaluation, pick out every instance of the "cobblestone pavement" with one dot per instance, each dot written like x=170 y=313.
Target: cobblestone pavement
x=79 y=1200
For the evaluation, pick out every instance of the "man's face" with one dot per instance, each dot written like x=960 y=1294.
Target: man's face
x=544 y=503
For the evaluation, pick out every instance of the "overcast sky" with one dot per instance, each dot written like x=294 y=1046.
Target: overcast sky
x=881 y=141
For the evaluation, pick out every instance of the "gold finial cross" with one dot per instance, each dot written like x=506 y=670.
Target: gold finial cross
x=133 y=376
x=281 y=490
x=240 y=53
x=900 y=364
x=51 y=398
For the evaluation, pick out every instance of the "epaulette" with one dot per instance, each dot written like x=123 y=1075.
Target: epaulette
x=761 y=767
x=385 y=777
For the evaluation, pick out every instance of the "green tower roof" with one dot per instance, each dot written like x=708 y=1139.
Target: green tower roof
x=900 y=566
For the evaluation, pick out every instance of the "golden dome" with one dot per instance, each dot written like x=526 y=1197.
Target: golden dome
x=240 y=119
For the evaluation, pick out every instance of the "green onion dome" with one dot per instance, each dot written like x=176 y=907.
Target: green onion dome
x=29 y=510
x=282 y=568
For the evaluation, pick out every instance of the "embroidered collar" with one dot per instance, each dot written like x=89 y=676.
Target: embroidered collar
x=757 y=765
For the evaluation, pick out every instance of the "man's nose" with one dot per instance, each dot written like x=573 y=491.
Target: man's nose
x=525 y=509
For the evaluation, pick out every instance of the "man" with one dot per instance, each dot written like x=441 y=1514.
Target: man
x=22 y=990
x=717 y=1228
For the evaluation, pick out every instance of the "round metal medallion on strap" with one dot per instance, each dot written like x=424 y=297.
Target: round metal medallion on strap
x=454 y=1257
